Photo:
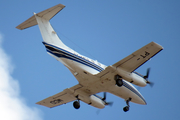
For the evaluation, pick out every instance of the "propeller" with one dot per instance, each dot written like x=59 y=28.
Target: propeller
x=105 y=103
x=104 y=99
x=146 y=78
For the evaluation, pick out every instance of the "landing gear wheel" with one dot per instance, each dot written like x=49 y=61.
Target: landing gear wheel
x=76 y=104
x=118 y=80
x=126 y=108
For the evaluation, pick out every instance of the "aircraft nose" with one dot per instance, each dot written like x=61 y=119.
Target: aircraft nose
x=144 y=102
x=141 y=100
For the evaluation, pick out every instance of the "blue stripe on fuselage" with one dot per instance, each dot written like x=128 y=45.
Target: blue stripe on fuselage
x=59 y=52
x=133 y=90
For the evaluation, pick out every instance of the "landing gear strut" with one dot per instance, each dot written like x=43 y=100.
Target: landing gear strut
x=126 y=108
x=118 y=80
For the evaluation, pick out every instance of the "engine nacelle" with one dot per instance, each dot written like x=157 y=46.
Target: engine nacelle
x=132 y=78
x=138 y=80
x=97 y=102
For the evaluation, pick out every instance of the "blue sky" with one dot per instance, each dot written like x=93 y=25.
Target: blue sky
x=104 y=30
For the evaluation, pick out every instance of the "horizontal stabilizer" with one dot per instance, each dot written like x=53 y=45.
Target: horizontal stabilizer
x=46 y=14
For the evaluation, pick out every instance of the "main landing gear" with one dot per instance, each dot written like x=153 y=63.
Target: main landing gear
x=118 y=80
x=76 y=103
x=126 y=108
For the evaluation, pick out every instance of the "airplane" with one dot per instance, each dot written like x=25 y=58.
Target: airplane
x=93 y=77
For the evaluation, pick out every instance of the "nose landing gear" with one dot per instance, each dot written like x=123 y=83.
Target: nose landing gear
x=126 y=108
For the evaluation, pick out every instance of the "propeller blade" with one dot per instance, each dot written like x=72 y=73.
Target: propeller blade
x=151 y=84
x=109 y=103
x=104 y=99
x=147 y=73
x=146 y=77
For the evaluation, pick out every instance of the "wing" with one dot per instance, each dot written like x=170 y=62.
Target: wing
x=63 y=97
x=139 y=57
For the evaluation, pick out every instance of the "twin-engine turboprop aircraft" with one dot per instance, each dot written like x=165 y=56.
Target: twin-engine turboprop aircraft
x=93 y=77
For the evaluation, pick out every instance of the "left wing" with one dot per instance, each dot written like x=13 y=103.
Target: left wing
x=63 y=97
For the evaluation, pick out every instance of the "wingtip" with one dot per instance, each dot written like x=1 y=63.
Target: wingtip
x=157 y=45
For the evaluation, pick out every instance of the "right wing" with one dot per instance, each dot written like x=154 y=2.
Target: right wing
x=139 y=57
x=133 y=61
x=63 y=97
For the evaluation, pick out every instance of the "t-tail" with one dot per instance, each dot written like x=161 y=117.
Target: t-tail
x=55 y=47
x=42 y=20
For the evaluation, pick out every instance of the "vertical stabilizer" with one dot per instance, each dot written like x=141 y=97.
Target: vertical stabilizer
x=48 y=34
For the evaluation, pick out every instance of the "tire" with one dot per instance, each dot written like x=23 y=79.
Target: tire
x=119 y=82
x=126 y=109
x=76 y=104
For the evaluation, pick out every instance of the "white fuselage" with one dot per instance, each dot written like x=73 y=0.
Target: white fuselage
x=84 y=68
x=93 y=77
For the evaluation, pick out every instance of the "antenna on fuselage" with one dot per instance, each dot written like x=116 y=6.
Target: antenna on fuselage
x=75 y=44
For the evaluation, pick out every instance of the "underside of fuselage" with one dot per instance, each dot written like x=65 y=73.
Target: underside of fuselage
x=83 y=69
x=73 y=59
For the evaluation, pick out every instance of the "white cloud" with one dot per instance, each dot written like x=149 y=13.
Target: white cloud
x=12 y=105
